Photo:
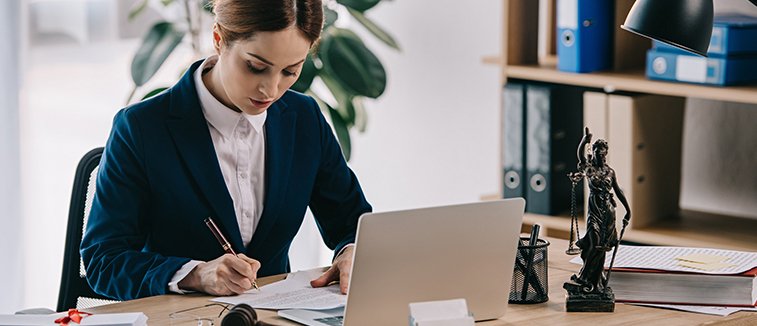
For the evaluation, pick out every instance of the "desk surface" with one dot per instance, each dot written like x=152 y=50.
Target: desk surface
x=551 y=312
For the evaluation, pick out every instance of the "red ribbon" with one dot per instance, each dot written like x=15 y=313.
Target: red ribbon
x=73 y=316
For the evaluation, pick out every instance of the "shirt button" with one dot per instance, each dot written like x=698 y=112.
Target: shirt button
x=243 y=175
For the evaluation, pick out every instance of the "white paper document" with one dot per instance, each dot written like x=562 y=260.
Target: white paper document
x=124 y=319
x=294 y=292
x=709 y=310
x=680 y=259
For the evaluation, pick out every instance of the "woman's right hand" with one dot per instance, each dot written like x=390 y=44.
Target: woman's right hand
x=225 y=275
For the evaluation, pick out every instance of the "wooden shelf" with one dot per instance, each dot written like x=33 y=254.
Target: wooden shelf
x=690 y=229
x=633 y=81
x=520 y=59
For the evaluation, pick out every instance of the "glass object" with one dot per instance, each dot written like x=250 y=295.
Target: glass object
x=207 y=315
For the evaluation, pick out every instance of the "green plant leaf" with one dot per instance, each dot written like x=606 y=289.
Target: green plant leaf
x=342 y=132
x=359 y=5
x=374 y=29
x=352 y=64
x=137 y=9
x=343 y=98
x=166 y=3
x=341 y=128
x=207 y=5
x=309 y=71
x=331 y=17
x=361 y=115
x=157 y=45
x=154 y=92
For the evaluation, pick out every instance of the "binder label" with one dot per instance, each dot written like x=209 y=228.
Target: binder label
x=567 y=14
x=716 y=40
x=691 y=69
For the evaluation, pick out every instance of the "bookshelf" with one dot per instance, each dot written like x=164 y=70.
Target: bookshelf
x=519 y=60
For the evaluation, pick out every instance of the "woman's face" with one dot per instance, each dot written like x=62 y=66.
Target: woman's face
x=257 y=71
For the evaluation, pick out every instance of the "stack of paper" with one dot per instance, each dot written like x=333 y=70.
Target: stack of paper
x=294 y=292
x=678 y=275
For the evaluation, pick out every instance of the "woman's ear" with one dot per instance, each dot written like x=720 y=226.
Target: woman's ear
x=217 y=40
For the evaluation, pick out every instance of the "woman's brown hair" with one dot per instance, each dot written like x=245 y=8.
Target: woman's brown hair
x=241 y=19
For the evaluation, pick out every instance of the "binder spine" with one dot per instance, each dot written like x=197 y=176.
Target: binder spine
x=584 y=35
x=663 y=65
x=514 y=145
x=554 y=117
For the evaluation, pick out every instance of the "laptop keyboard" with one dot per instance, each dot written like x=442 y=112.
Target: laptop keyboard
x=331 y=321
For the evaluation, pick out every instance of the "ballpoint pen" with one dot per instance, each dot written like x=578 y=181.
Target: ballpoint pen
x=528 y=256
x=224 y=243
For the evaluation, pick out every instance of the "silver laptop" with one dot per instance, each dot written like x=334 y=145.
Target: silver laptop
x=461 y=251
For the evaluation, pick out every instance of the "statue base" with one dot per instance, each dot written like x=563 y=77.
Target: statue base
x=577 y=300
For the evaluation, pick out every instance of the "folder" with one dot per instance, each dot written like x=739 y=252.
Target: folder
x=644 y=135
x=584 y=35
x=673 y=66
x=554 y=129
x=513 y=155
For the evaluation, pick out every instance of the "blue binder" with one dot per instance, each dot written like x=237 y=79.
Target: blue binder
x=732 y=34
x=663 y=65
x=554 y=117
x=584 y=35
x=513 y=154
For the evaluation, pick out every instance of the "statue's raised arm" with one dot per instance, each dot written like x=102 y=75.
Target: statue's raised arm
x=582 y=149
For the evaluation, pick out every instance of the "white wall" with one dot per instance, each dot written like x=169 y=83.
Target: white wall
x=720 y=149
x=432 y=138
x=11 y=273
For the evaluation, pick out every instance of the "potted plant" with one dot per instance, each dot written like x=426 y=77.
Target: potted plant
x=346 y=66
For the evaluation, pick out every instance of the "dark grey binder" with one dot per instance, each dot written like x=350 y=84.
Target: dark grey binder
x=554 y=117
x=513 y=155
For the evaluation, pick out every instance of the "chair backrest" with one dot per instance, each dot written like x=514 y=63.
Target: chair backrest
x=75 y=292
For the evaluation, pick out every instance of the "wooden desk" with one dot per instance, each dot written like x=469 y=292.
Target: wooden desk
x=549 y=313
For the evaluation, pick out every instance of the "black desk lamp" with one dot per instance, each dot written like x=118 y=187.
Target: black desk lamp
x=686 y=24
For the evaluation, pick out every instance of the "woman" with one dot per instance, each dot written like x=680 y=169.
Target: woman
x=231 y=142
x=601 y=235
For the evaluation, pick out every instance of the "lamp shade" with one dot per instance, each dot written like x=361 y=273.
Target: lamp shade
x=686 y=24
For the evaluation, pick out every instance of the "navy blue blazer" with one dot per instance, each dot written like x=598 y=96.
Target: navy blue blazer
x=159 y=178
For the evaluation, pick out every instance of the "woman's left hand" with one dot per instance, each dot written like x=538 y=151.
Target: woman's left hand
x=339 y=271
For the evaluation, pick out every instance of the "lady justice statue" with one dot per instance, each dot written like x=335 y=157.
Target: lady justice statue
x=588 y=291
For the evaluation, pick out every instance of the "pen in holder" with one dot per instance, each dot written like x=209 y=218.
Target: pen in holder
x=530 y=276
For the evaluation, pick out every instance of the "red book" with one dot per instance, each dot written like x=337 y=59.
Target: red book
x=667 y=287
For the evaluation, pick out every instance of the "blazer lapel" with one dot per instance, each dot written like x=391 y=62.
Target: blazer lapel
x=279 y=128
x=190 y=134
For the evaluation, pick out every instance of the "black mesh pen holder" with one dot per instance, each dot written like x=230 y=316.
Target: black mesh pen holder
x=530 y=276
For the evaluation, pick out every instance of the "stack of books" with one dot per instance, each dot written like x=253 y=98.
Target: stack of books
x=686 y=276
x=731 y=58
x=668 y=287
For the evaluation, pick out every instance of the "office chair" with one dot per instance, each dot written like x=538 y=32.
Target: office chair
x=75 y=292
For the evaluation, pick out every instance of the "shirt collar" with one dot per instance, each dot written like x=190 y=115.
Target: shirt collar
x=220 y=116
